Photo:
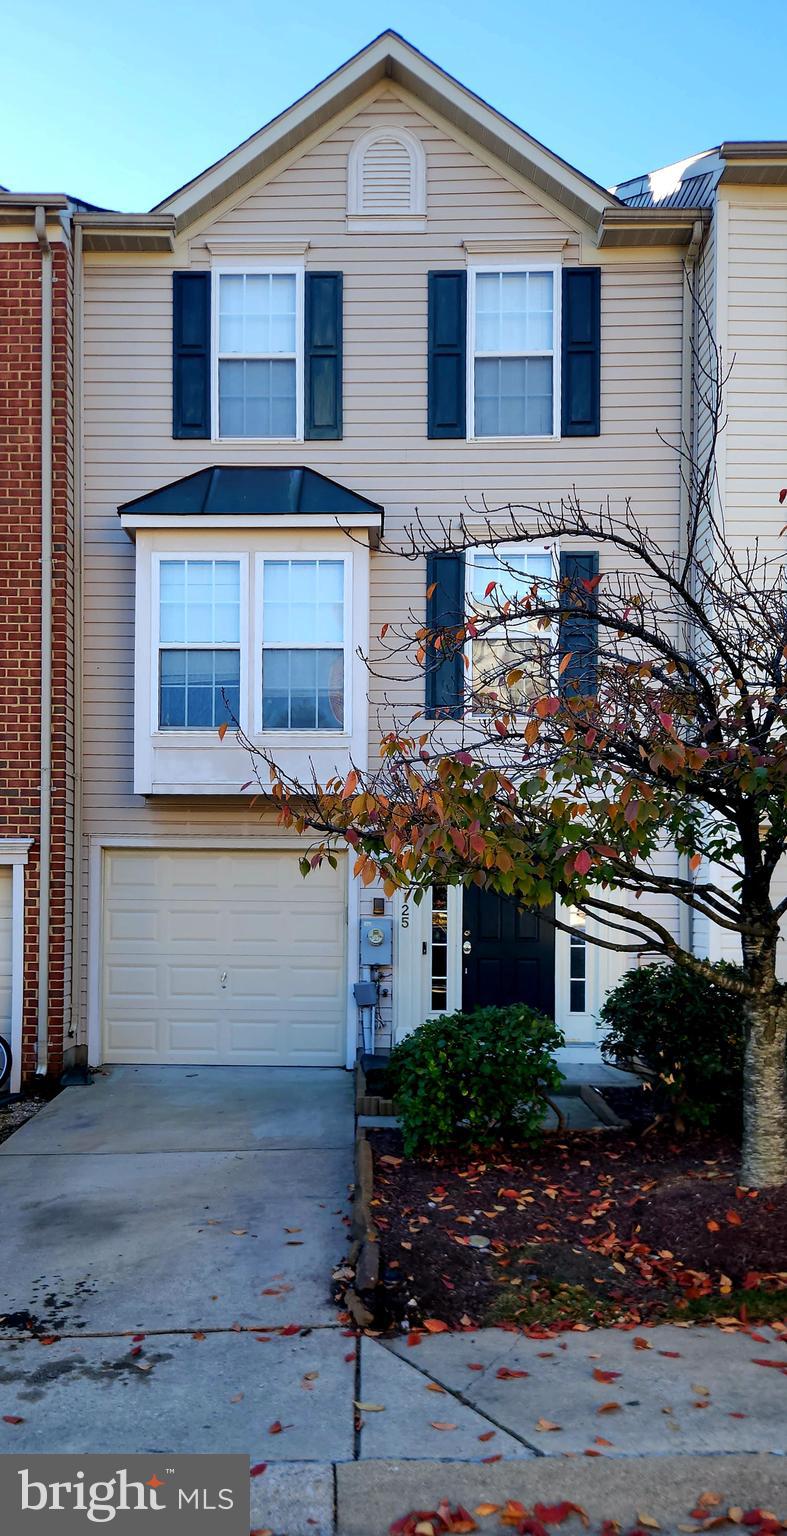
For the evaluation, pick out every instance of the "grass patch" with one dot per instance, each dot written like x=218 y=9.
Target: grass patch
x=757 y=1306
x=550 y=1302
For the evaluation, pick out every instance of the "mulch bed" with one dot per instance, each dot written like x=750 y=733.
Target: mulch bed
x=592 y=1227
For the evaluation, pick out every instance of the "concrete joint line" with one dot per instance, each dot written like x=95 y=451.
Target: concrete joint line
x=466 y=1403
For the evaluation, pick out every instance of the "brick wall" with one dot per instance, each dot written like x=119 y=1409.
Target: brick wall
x=20 y=605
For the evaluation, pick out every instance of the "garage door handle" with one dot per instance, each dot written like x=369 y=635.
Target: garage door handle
x=223 y=978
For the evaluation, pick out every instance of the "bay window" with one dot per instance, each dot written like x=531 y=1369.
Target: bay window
x=512 y=643
x=199 y=643
x=303 y=644
x=259 y=353
x=513 y=350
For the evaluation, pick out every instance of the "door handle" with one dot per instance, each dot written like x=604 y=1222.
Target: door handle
x=223 y=979
x=467 y=947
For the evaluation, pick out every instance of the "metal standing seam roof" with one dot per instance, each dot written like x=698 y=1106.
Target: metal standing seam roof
x=248 y=489
x=693 y=192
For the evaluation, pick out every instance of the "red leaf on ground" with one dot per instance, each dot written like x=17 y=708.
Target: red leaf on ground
x=555 y=1514
x=670 y=1354
x=434 y=1325
x=277 y=1428
x=414 y=1338
x=287 y=1333
x=473 y=1365
x=599 y=1375
x=487 y=1460
x=640 y=1343
x=504 y=1374
x=734 y=1218
x=773 y=1365
x=258 y=1469
x=12 y=1418
x=489 y=1435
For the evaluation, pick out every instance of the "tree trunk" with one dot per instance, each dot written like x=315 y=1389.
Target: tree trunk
x=765 y=1093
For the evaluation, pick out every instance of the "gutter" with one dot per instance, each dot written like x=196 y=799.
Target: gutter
x=45 y=850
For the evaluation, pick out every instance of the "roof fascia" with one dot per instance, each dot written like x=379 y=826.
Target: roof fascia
x=650 y=226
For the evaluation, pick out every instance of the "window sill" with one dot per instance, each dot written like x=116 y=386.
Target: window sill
x=275 y=441
x=534 y=437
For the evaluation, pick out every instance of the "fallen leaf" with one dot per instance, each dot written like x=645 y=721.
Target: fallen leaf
x=546 y=1424
x=482 y=1510
x=293 y=1229
x=473 y=1365
x=277 y=1428
x=487 y=1460
x=712 y=1226
x=648 y=1520
x=238 y=1398
x=555 y=1514
x=504 y=1374
x=733 y=1217
x=640 y=1343
x=370 y=1407
x=436 y=1424
x=670 y=1354
x=12 y=1418
x=488 y=1434
x=239 y=1231
x=432 y=1386
x=353 y=1355
x=258 y=1469
x=609 y=1408
x=434 y=1325
x=291 y=1328
x=606 y=1375
x=198 y=1336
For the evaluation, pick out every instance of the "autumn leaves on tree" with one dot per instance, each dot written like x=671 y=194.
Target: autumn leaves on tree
x=618 y=739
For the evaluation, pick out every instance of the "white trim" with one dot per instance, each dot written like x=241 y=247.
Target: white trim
x=14 y=852
x=131 y=521
x=524 y=245
x=515 y=266
x=291 y=270
x=254 y=245
x=315 y=737
x=355 y=170
x=241 y=559
x=184 y=842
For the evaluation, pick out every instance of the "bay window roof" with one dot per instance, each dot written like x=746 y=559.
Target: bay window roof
x=239 y=494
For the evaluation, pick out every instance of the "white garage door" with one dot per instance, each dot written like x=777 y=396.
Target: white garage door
x=223 y=958
x=5 y=951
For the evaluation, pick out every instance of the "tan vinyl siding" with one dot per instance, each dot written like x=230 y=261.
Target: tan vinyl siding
x=756 y=329
x=384 y=454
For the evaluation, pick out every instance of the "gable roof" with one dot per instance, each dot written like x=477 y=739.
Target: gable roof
x=389 y=56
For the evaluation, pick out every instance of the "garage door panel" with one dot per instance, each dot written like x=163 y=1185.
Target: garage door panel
x=176 y=922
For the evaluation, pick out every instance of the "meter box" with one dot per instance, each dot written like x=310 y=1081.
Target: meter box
x=376 y=941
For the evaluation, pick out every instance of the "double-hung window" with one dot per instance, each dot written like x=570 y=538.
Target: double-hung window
x=304 y=652
x=513 y=352
x=259 y=353
x=509 y=642
x=199 y=634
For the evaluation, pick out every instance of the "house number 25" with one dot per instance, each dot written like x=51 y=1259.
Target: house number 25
x=405 y=914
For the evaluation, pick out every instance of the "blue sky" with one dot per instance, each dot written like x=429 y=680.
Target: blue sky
x=122 y=103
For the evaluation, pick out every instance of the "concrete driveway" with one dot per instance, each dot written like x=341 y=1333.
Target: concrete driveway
x=198 y=1207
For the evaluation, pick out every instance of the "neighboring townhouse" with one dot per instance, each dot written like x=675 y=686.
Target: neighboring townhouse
x=36 y=657
x=389 y=302
x=739 y=278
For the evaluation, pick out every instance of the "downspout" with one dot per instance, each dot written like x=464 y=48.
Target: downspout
x=45 y=850
x=686 y=914
x=76 y=887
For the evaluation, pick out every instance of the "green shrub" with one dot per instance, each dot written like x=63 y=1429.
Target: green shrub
x=687 y=1031
x=474 y=1077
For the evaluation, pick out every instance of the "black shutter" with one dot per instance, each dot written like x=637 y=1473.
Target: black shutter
x=445 y=607
x=579 y=627
x=447 y=386
x=191 y=354
x=581 y=352
x=323 y=354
